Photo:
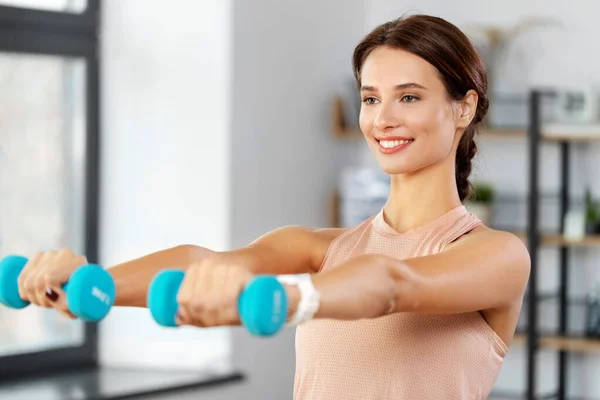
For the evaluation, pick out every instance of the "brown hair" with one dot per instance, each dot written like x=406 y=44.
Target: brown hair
x=449 y=50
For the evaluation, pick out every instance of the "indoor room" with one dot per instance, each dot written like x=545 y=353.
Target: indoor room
x=334 y=199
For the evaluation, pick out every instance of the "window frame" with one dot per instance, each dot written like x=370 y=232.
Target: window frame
x=30 y=31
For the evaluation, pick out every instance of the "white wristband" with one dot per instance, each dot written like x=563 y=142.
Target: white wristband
x=309 y=297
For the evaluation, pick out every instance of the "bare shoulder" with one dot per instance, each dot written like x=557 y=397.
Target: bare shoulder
x=490 y=238
x=503 y=247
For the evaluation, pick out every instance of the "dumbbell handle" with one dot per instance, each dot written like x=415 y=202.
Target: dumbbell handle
x=262 y=305
x=90 y=290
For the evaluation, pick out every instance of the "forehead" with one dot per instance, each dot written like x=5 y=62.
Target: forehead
x=387 y=66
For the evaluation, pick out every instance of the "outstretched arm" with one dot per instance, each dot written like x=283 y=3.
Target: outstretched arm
x=133 y=277
x=483 y=270
x=287 y=250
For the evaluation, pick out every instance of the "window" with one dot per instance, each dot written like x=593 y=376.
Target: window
x=71 y=6
x=48 y=165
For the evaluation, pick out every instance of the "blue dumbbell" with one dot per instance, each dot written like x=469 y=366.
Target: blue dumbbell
x=90 y=290
x=262 y=305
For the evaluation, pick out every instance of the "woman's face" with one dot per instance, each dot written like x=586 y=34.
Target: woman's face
x=406 y=115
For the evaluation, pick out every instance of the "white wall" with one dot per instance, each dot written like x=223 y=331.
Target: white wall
x=166 y=92
x=552 y=57
x=222 y=114
x=289 y=59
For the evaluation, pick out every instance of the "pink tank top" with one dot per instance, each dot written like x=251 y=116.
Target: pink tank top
x=402 y=356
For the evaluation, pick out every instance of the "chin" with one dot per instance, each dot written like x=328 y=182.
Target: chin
x=396 y=168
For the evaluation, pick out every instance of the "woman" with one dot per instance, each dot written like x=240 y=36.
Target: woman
x=419 y=301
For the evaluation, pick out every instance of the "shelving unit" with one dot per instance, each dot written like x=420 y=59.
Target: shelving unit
x=562 y=342
x=534 y=340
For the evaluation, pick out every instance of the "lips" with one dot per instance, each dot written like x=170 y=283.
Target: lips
x=393 y=144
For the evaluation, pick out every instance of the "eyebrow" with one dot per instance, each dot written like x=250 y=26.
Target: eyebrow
x=410 y=85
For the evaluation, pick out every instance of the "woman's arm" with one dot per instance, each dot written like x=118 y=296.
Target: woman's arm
x=132 y=278
x=483 y=270
x=287 y=250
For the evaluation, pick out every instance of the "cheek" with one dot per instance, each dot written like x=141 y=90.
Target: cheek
x=366 y=120
x=435 y=123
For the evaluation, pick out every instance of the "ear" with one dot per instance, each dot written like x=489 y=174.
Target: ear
x=467 y=109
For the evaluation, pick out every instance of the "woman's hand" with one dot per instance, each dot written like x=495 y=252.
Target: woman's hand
x=42 y=278
x=209 y=293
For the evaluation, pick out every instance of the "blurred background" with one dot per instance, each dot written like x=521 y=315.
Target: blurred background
x=130 y=126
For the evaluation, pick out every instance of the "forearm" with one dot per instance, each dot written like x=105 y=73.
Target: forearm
x=365 y=287
x=132 y=278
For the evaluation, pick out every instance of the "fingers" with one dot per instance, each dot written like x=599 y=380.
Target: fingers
x=185 y=296
x=208 y=295
x=42 y=278
x=227 y=310
x=25 y=280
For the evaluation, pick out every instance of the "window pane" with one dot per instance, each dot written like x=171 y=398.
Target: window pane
x=42 y=161
x=71 y=6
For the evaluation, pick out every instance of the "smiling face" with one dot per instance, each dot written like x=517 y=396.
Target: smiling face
x=407 y=117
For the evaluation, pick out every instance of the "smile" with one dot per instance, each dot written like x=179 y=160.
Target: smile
x=393 y=146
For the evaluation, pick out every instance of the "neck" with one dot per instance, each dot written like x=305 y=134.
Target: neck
x=419 y=198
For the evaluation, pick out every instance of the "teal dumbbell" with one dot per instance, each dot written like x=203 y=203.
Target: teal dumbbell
x=90 y=290
x=262 y=305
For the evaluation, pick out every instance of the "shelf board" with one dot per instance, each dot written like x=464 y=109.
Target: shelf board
x=560 y=240
x=500 y=133
x=573 y=344
x=570 y=344
x=553 y=133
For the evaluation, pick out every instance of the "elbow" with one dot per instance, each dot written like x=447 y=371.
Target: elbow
x=406 y=285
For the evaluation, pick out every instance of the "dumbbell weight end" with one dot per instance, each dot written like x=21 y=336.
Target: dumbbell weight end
x=10 y=268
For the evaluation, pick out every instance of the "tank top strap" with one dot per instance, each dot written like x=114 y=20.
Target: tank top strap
x=433 y=236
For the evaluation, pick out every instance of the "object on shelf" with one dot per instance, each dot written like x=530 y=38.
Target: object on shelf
x=350 y=103
x=592 y=319
x=576 y=106
x=362 y=194
x=480 y=202
x=508 y=61
x=592 y=214
x=509 y=111
x=341 y=127
x=574 y=229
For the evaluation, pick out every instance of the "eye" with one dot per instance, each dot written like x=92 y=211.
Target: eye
x=369 y=100
x=409 y=98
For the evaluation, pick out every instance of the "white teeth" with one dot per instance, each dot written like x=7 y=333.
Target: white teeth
x=390 y=144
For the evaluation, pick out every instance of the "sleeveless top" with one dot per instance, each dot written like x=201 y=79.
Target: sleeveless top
x=401 y=356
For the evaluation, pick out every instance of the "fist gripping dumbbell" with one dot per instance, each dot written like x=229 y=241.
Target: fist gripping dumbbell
x=262 y=305
x=90 y=290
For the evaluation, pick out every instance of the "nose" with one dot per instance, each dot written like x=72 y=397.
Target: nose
x=386 y=118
